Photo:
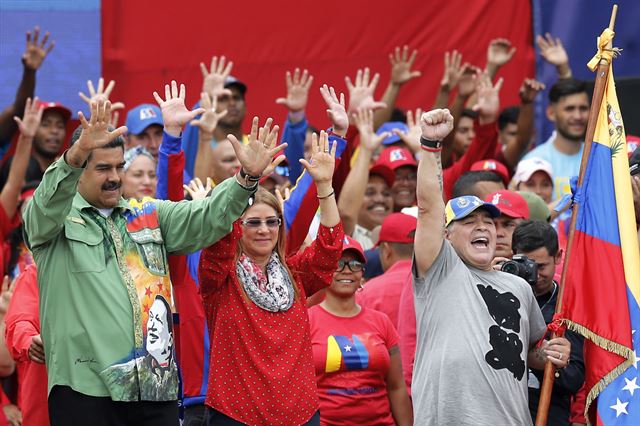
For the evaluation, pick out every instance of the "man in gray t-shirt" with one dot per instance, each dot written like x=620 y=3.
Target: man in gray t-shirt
x=477 y=328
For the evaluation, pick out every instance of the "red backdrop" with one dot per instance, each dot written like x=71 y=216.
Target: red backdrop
x=147 y=43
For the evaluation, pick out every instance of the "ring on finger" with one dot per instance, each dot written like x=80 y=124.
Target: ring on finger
x=560 y=357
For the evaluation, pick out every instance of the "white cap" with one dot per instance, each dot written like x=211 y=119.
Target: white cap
x=526 y=169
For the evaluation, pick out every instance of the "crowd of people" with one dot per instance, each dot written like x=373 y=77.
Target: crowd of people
x=177 y=270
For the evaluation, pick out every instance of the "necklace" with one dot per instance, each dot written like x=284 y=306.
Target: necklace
x=553 y=293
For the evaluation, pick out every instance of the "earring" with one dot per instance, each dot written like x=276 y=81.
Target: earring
x=360 y=286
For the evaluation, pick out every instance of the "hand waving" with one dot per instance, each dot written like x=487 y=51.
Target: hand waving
x=363 y=119
x=499 y=52
x=323 y=159
x=214 y=78
x=209 y=120
x=297 y=90
x=412 y=137
x=95 y=132
x=197 y=190
x=255 y=156
x=436 y=124
x=401 y=64
x=530 y=89
x=488 y=99
x=552 y=50
x=7 y=293
x=361 y=94
x=335 y=110
x=30 y=122
x=452 y=69
x=102 y=94
x=468 y=80
x=35 y=53
x=174 y=112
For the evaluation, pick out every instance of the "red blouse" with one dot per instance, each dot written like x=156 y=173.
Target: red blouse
x=261 y=364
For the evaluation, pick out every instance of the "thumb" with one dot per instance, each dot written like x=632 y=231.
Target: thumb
x=120 y=131
x=304 y=163
x=195 y=122
x=237 y=148
x=281 y=101
x=18 y=121
x=415 y=74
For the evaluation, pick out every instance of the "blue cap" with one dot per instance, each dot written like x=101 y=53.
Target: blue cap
x=461 y=207
x=389 y=126
x=143 y=116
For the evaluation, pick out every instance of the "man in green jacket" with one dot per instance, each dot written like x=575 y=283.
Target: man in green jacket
x=103 y=275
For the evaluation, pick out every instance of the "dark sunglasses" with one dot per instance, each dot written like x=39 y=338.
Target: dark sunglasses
x=272 y=222
x=354 y=265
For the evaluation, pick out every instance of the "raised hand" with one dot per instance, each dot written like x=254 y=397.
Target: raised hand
x=452 y=69
x=488 y=99
x=323 y=159
x=363 y=120
x=35 y=52
x=499 y=52
x=174 y=112
x=297 y=90
x=361 y=93
x=95 y=132
x=530 y=89
x=468 y=80
x=401 y=64
x=30 y=122
x=436 y=124
x=282 y=195
x=209 y=120
x=552 y=50
x=335 y=110
x=7 y=292
x=412 y=137
x=197 y=190
x=102 y=94
x=214 y=78
x=255 y=156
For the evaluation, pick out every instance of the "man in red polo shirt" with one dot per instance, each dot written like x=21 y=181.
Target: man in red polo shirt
x=396 y=249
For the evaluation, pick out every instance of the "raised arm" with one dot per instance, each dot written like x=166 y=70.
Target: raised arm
x=554 y=53
x=436 y=125
x=100 y=94
x=28 y=126
x=361 y=93
x=499 y=52
x=295 y=128
x=34 y=55
x=452 y=72
x=207 y=124
x=355 y=185
x=516 y=149
x=401 y=73
x=45 y=214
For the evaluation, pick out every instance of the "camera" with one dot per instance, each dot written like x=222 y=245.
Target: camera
x=523 y=267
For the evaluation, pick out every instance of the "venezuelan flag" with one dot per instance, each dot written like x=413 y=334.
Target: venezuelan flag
x=602 y=283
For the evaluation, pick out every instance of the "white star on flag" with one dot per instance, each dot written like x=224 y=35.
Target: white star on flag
x=631 y=385
x=635 y=360
x=347 y=348
x=620 y=407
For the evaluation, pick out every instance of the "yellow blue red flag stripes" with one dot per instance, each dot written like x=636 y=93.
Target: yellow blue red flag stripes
x=602 y=285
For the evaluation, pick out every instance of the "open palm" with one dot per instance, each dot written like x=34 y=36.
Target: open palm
x=323 y=159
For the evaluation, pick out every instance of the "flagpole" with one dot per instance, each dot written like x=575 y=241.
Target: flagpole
x=602 y=74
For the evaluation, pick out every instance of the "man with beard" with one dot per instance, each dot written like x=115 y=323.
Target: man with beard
x=569 y=110
x=47 y=142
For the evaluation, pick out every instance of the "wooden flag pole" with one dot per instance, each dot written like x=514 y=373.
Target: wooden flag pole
x=602 y=74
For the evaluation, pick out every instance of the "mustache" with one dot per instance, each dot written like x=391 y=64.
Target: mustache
x=110 y=186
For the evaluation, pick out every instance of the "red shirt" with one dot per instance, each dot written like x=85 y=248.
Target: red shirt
x=382 y=293
x=22 y=323
x=7 y=225
x=407 y=330
x=351 y=357
x=261 y=366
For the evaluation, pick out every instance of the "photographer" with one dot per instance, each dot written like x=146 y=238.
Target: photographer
x=539 y=242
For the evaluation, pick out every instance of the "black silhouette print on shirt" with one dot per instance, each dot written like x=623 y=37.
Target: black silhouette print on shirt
x=506 y=347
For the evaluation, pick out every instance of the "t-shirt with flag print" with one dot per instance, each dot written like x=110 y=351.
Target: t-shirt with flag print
x=351 y=358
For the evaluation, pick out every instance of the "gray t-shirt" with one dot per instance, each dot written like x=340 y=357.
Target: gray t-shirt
x=474 y=330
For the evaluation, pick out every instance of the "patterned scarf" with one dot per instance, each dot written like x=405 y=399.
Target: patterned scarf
x=272 y=292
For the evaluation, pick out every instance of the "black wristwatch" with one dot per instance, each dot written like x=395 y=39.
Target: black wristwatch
x=430 y=144
x=248 y=177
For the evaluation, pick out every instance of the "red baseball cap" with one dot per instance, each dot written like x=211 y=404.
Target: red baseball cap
x=633 y=142
x=56 y=106
x=384 y=172
x=398 y=228
x=395 y=157
x=510 y=203
x=492 y=166
x=349 y=243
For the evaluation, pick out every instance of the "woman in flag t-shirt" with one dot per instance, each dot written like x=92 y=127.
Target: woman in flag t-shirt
x=355 y=352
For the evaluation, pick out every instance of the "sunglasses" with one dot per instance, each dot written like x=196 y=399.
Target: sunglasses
x=354 y=265
x=272 y=222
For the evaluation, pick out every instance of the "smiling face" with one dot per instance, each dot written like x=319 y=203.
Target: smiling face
x=570 y=115
x=474 y=239
x=377 y=203
x=346 y=282
x=261 y=241
x=505 y=226
x=404 y=187
x=140 y=179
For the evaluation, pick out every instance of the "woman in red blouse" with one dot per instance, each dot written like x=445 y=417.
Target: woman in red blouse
x=261 y=367
x=355 y=352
